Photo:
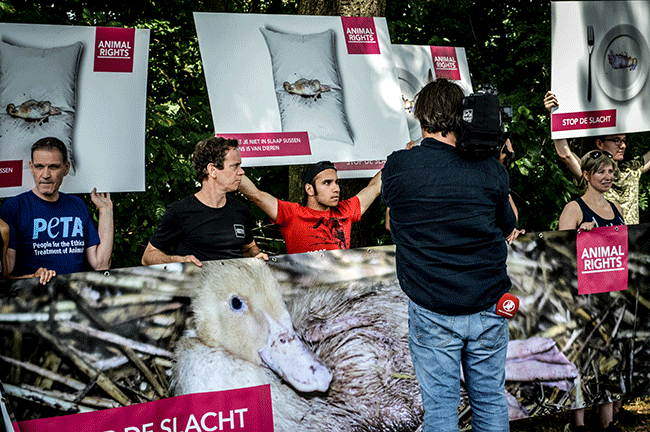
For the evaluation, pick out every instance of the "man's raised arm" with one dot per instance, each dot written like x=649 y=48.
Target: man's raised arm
x=265 y=201
x=4 y=233
x=561 y=145
x=646 y=162
x=99 y=256
x=368 y=194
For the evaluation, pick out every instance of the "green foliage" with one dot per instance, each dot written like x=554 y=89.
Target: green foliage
x=507 y=43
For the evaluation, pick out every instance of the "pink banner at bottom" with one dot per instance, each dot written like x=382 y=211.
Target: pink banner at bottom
x=602 y=259
x=11 y=173
x=246 y=410
x=360 y=165
x=265 y=144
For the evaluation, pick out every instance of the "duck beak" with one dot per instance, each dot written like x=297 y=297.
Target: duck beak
x=292 y=360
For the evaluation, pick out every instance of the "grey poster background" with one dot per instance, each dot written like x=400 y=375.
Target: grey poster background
x=109 y=119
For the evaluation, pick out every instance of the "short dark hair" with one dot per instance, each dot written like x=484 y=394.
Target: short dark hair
x=314 y=169
x=439 y=107
x=211 y=151
x=310 y=174
x=51 y=143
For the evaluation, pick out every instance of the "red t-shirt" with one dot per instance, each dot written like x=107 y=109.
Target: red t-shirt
x=307 y=230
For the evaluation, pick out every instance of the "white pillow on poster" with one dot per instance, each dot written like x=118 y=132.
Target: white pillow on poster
x=37 y=97
x=308 y=61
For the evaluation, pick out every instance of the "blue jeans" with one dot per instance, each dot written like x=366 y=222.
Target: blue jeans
x=438 y=344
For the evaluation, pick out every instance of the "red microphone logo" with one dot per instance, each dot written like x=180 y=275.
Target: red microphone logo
x=507 y=306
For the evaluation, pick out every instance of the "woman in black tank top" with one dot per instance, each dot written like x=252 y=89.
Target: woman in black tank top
x=592 y=209
x=589 y=211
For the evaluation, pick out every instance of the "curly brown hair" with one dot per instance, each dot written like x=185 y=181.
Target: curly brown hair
x=211 y=151
x=439 y=107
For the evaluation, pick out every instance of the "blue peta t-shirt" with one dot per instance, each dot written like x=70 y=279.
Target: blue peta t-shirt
x=54 y=235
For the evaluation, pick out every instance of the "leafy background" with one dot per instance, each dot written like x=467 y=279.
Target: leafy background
x=507 y=44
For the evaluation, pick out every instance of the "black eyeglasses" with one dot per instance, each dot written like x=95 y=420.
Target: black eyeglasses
x=617 y=141
x=595 y=154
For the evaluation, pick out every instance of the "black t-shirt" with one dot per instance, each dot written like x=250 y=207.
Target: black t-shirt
x=189 y=227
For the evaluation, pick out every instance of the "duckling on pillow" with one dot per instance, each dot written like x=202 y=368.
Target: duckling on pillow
x=31 y=79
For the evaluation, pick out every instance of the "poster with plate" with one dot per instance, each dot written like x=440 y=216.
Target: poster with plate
x=301 y=89
x=415 y=66
x=86 y=86
x=599 y=67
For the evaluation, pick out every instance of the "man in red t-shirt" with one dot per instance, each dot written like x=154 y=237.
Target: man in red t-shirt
x=324 y=222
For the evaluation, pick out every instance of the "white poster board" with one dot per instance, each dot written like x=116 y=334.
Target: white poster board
x=301 y=89
x=415 y=66
x=84 y=85
x=600 y=61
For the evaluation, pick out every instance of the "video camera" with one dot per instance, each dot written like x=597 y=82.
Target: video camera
x=484 y=121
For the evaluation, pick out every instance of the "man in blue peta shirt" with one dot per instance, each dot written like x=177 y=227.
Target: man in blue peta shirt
x=51 y=232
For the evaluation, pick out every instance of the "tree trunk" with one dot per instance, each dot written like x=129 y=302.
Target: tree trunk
x=343 y=7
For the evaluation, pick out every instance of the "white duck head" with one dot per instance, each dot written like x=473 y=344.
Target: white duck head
x=238 y=308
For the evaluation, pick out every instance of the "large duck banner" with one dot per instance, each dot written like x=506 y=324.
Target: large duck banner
x=599 y=67
x=300 y=89
x=308 y=342
x=83 y=85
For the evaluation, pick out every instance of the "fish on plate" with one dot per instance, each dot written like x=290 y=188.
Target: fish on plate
x=621 y=61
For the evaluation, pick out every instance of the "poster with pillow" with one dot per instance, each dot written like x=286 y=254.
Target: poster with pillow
x=300 y=89
x=85 y=86
x=600 y=58
x=415 y=66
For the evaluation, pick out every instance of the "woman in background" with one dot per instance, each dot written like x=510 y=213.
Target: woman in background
x=585 y=213
x=592 y=209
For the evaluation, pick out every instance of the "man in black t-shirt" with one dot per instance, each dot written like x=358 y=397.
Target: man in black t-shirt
x=208 y=225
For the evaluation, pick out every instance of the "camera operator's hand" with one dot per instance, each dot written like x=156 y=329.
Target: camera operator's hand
x=514 y=234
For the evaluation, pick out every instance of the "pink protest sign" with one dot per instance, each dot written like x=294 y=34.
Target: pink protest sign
x=266 y=144
x=445 y=62
x=360 y=35
x=583 y=120
x=602 y=259
x=246 y=409
x=11 y=173
x=114 y=48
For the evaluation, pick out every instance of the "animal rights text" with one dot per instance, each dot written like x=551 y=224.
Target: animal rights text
x=602 y=259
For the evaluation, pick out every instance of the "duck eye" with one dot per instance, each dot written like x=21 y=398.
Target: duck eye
x=237 y=304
